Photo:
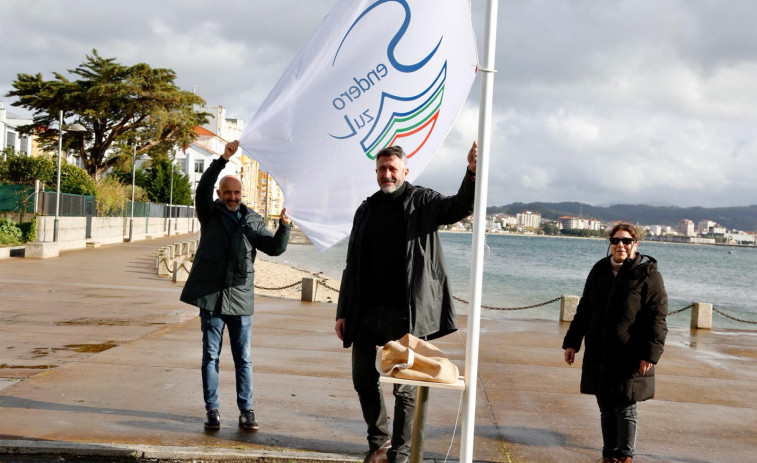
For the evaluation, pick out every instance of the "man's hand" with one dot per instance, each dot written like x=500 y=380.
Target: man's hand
x=644 y=367
x=473 y=157
x=284 y=220
x=570 y=355
x=231 y=148
x=339 y=328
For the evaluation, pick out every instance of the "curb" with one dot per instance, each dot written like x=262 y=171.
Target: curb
x=158 y=452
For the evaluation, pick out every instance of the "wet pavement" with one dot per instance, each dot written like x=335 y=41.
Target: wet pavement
x=99 y=358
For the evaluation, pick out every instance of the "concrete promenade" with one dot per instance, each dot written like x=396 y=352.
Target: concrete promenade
x=98 y=356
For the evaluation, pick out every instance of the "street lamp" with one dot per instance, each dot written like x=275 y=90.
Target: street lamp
x=61 y=128
x=133 y=178
x=170 y=202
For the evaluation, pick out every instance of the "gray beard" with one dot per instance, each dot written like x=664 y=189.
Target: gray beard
x=390 y=187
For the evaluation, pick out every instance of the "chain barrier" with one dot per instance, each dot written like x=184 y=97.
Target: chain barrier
x=680 y=310
x=279 y=288
x=322 y=281
x=751 y=322
x=459 y=299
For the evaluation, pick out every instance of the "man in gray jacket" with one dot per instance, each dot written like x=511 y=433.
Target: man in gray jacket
x=221 y=282
x=395 y=283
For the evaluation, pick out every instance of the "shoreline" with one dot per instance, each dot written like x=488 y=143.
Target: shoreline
x=599 y=238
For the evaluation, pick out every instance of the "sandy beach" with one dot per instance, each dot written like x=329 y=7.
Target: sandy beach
x=279 y=280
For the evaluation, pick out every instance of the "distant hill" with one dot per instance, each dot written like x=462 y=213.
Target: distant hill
x=740 y=218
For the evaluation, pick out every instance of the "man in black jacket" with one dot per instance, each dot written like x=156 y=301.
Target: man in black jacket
x=395 y=283
x=221 y=282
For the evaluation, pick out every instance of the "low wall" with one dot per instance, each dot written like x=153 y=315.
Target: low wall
x=72 y=231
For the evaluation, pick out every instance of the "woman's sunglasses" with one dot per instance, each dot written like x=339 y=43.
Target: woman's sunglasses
x=617 y=241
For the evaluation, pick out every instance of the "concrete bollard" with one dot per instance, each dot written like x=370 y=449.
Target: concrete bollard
x=701 y=316
x=164 y=268
x=185 y=248
x=309 y=289
x=177 y=249
x=192 y=246
x=41 y=250
x=162 y=252
x=181 y=270
x=568 y=306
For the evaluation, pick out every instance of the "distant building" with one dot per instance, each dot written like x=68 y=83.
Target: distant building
x=686 y=227
x=568 y=222
x=259 y=190
x=528 y=219
x=705 y=226
x=507 y=221
x=9 y=135
x=654 y=230
x=740 y=238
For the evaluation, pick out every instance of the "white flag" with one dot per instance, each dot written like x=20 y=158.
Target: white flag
x=375 y=73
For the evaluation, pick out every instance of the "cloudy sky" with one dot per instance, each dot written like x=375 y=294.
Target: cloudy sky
x=597 y=101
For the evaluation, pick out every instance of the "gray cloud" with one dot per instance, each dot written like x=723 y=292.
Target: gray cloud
x=599 y=102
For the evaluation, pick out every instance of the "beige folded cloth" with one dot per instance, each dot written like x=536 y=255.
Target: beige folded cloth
x=413 y=358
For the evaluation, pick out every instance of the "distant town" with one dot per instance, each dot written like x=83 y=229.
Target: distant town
x=686 y=231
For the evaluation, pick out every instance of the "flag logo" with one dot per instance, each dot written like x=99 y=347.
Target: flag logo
x=400 y=119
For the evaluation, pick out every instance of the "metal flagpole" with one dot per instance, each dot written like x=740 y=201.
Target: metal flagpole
x=479 y=228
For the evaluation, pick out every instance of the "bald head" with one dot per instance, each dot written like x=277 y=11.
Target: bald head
x=230 y=192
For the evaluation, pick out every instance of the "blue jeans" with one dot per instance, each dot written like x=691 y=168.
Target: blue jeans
x=240 y=331
x=619 y=419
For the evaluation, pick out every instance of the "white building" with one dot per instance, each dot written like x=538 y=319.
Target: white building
x=740 y=238
x=686 y=227
x=654 y=230
x=579 y=223
x=9 y=135
x=567 y=222
x=704 y=226
x=200 y=153
x=528 y=219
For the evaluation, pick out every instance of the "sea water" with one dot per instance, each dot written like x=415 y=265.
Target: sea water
x=524 y=270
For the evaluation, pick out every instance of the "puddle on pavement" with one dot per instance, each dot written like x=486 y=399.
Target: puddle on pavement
x=91 y=348
x=95 y=321
x=104 y=322
x=82 y=348
x=29 y=367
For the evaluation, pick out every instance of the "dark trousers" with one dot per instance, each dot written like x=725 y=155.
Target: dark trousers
x=619 y=418
x=376 y=330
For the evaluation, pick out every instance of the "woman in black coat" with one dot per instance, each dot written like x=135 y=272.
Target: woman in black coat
x=621 y=320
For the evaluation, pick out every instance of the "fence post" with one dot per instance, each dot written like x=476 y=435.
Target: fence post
x=568 y=306
x=309 y=289
x=701 y=316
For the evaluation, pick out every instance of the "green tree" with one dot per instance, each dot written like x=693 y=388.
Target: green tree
x=550 y=229
x=157 y=183
x=75 y=181
x=117 y=104
x=27 y=169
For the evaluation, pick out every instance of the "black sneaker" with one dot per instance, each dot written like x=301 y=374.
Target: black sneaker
x=247 y=420
x=214 y=420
